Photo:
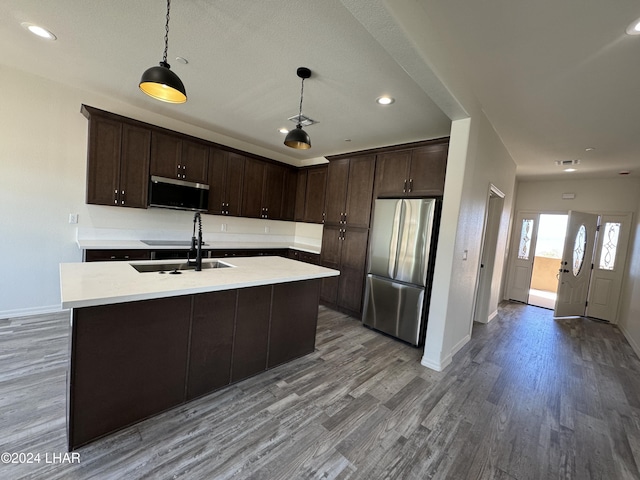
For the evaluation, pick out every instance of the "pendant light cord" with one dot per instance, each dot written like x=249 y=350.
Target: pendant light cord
x=166 y=33
x=300 y=112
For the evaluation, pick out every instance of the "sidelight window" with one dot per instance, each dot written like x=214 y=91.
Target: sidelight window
x=611 y=234
x=524 y=249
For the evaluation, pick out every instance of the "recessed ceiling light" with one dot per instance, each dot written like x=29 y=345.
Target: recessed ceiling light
x=569 y=169
x=182 y=60
x=39 y=31
x=624 y=172
x=589 y=149
x=634 y=28
x=283 y=130
x=385 y=100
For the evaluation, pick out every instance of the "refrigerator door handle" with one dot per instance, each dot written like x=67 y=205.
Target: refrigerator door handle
x=398 y=225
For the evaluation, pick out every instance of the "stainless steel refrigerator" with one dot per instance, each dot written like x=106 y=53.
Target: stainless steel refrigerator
x=400 y=266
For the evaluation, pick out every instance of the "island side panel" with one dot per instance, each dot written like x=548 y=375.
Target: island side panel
x=294 y=317
x=128 y=362
x=212 y=328
x=252 y=332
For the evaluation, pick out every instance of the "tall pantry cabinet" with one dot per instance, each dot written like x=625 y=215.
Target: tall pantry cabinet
x=346 y=230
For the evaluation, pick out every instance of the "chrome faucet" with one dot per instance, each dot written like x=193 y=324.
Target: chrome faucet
x=196 y=245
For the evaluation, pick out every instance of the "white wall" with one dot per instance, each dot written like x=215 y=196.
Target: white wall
x=43 y=152
x=629 y=320
x=477 y=159
x=620 y=194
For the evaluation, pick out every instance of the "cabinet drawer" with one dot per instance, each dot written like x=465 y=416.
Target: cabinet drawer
x=116 y=255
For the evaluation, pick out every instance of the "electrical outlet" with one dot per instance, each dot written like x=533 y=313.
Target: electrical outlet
x=266 y=230
x=223 y=227
x=73 y=218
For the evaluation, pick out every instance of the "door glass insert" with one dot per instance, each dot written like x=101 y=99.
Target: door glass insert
x=525 y=239
x=609 y=246
x=579 y=246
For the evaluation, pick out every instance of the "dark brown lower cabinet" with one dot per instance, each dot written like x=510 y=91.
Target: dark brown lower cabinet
x=212 y=325
x=252 y=332
x=130 y=361
x=291 y=339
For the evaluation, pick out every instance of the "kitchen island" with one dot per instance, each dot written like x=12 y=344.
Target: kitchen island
x=142 y=343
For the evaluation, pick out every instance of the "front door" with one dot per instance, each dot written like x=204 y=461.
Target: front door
x=521 y=267
x=575 y=269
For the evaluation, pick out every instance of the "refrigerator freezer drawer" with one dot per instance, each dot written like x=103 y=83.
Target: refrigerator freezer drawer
x=393 y=308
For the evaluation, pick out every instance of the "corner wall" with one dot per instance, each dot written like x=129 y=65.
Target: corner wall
x=629 y=317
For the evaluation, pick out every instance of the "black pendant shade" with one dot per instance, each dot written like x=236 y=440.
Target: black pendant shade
x=298 y=138
x=160 y=82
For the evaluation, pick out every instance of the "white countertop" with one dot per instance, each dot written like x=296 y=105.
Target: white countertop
x=103 y=283
x=139 y=245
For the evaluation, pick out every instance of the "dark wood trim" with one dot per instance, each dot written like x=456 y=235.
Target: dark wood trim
x=87 y=111
x=390 y=148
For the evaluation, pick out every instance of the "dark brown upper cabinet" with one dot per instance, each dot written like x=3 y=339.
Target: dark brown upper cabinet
x=118 y=161
x=226 y=173
x=417 y=172
x=174 y=156
x=349 y=191
x=310 y=194
x=263 y=189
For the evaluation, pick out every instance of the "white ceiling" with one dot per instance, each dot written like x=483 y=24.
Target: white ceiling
x=554 y=78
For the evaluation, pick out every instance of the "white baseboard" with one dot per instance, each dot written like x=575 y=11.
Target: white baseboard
x=492 y=316
x=630 y=339
x=440 y=364
x=27 y=312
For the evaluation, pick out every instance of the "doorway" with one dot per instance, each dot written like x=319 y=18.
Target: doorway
x=484 y=311
x=603 y=255
x=547 y=256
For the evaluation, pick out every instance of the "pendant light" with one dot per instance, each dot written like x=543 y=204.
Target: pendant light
x=160 y=82
x=298 y=138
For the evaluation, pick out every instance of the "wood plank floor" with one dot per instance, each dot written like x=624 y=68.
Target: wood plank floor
x=529 y=397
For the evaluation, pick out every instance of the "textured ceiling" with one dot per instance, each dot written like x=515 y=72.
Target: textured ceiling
x=553 y=78
x=241 y=77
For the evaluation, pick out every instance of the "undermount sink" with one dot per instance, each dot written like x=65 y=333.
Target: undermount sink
x=176 y=267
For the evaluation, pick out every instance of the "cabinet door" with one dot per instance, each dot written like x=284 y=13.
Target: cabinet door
x=252 y=188
x=352 y=268
x=360 y=191
x=291 y=339
x=273 y=191
x=217 y=173
x=252 y=332
x=234 y=179
x=289 y=194
x=315 y=195
x=301 y=191
x=330 y=258
x=166 y=151
x=194 y=161
x=134 y=166
x=428 y=168
x=337 y=179
x=103 y=162
x=392 y=173
x=212 y=326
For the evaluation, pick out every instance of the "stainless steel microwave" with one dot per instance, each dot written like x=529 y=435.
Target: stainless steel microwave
x=178 y=194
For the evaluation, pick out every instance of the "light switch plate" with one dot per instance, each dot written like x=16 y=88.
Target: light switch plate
x=73 y=218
